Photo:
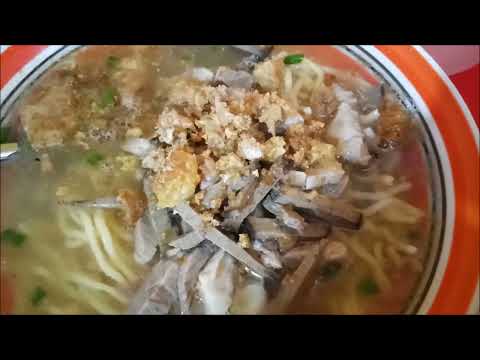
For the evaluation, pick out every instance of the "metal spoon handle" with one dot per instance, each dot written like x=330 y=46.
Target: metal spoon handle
x=102 y=203
x=7 y=149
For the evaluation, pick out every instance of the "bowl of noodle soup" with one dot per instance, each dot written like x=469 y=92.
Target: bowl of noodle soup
x=415 y=250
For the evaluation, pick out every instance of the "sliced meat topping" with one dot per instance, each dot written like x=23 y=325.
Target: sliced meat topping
x=234 y=218
x=221 y=240
x=158 y=294
x=188 y=275
x=284 y=214
x=337 y=212
x=216 y=284
x=234 y=78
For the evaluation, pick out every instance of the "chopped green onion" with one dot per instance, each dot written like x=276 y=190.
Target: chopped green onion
x=330 y=270
x=113 y=62
x=16 y=238
x=108 y=97
x=368 y=287
x=38 y=295
x=94 y=158
x=293 y=59
x=4 y=135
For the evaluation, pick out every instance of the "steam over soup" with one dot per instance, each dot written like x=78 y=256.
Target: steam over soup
x=183 y=180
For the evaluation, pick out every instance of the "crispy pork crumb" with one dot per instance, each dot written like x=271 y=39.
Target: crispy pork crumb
x=231 y=167
x=178 y=183
x=269 y=74
x=169 y=122
x=274 y=148
x=250 y=149
x=271 y=114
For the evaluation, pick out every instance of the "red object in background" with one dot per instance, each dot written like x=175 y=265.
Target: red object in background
x=462 y=65
x=468 y=84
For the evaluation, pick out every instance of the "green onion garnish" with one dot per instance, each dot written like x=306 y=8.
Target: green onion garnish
x=38 y=295
x=13 y=237
x=293 y=59
x=330 y=270
x=368 y=287
x=108 y=97
x=94 y=158
x=4 y=132
x=112 y=62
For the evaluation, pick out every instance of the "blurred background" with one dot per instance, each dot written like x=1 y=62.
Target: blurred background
x=462 y=65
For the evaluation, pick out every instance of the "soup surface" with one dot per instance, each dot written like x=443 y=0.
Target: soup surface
x=187 y=180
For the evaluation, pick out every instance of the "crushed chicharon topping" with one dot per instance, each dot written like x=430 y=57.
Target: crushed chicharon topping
x=215 y=141
x=171 y=123
x=249 y=148
x=274 y=148
x=231 y=167
x=219 y=137
x=178 y=181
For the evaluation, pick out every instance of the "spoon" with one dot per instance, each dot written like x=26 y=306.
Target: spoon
x=102 y=203
x=6 y=150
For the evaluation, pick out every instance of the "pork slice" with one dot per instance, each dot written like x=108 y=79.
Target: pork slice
x=331 y=251
x=334 y=211
x=269 y=257
x=292 y=284
x=158 y=294
x=346 y=130
x=314 y=230
x=234 y=218
x=336 y=190
x=296 y=178
x=216 y=284
x=292 y=258
x=221 y=240
x=318 y=177
x=265 y=229
x=188 y=241
x=188 y=275
x=146 y=240
x=234 y=78
x=284 y=214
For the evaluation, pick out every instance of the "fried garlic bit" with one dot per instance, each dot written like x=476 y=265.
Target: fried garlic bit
x=244 y=241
